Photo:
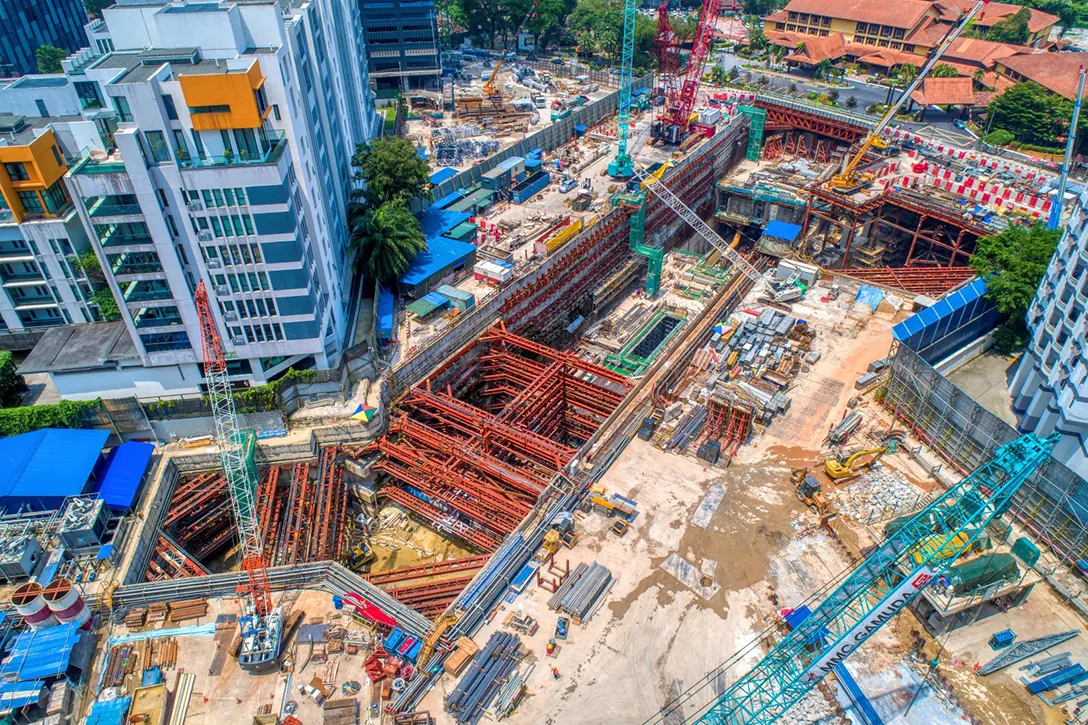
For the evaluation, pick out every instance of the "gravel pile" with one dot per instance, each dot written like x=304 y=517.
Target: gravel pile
x=877 y=495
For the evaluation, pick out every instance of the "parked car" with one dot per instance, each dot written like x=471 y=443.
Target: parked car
x=558 y=61
x=959 y=123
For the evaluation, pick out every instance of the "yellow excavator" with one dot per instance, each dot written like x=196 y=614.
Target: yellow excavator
x=489 y=84
x=810 y=493
x=842 y=470
x=850 y=179
x=431 y=640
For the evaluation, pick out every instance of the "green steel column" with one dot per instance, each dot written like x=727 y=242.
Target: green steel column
x=622 y=167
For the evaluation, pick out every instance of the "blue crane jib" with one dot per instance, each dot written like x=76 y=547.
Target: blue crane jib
x=873 y=593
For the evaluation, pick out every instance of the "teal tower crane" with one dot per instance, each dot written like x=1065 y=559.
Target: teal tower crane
x=873 y=593
x=622 y=166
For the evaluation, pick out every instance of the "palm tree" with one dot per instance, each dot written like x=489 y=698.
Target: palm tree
x=717 y=75
x=907 y=73
x=385 y=240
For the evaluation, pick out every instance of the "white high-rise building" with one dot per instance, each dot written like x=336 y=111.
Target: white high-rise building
x=1050 y=389
x=228 y=130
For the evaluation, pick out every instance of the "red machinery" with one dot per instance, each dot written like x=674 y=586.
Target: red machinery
x=681 y=94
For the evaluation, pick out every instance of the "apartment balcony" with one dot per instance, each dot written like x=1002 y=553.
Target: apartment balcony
x=18 y=280
x=122 y=270
x=88 y=166
x=270 y=156
x=149 y=296
x=113 y=240
x=103 y=209
x=52 y=322
x=34 y=303
x=16 y=255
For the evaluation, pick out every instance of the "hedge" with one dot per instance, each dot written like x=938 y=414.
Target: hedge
x=254 y=399
x=65 y=414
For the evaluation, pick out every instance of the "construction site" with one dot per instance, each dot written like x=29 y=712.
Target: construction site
x=678 y=447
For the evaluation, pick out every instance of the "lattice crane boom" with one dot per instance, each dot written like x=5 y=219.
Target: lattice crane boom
x=622 y=166
x=871 y=595
x=235 y=447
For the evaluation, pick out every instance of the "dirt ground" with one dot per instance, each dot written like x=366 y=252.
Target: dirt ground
x=408 y=542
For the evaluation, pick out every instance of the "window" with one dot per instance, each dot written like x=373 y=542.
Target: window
x=163 y=200
x=123 y=110
x=56 y=198
x=240 y=194
x=173 y=226
x=218 y=195
x=171 y=109
x=56 y=155
x=256 y=249
x=207 y=198
x=276 y=111
x=217 y=228
x=16 y=171
x=194 y=110
x=198 y=144
x=31 y=202
x=42 y=110
x=156 y=142
x=179 y=141
x=228 y=194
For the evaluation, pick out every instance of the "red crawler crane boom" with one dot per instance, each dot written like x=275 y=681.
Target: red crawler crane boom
x=674 y=123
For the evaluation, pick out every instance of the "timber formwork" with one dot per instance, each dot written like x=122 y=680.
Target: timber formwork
x=472 y=458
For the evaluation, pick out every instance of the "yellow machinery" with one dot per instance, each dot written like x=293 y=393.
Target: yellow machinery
x=359 y=557
x=431 y=640
x=850 y=179
x=844 y=470
x=489 y=84
x=810 y=493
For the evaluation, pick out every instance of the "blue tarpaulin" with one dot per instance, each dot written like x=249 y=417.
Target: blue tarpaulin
x=441 y=252
x=448 y=199
x=782 y=230
x=123 y=473
x=870 y=295
x=386 y=304
x=442 y=174
x=41 y=653
x=962 y=316
x=42 y=468
x=14 y=695
x=111 y=712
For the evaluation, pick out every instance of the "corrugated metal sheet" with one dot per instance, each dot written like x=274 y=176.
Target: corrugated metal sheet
x=123 y=473
x=955 y=320
x=14 y=695
x=39 y=654
x=48 y=465
x=111 y=712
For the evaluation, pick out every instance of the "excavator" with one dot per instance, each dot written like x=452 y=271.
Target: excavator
x=851 y=178
x=843 y=470
x=489 y=85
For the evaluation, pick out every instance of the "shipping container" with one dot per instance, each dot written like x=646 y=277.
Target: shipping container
x=531 y=186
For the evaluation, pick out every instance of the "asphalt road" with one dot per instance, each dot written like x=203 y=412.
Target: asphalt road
x=936 y=123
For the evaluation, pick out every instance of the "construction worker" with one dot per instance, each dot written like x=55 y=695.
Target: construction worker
x=555 y=672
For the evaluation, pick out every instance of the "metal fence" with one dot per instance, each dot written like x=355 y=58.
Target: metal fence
x=1053 y=505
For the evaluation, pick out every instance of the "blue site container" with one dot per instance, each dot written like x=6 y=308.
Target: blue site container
x=534 y=184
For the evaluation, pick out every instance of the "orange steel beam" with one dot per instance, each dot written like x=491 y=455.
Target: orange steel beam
x=468 y=563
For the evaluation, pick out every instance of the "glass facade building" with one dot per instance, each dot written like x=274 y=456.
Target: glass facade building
x=26 y=25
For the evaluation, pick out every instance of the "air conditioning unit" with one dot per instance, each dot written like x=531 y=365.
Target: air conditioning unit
x=230 y=316
x=204 y=236
x=195 y=206
x=214 y=263
x=237 y=341
x=222 y=289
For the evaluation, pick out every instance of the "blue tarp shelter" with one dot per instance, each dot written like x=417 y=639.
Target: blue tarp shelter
x=40 y=469
x=42 y=653
x=782 y=230
x=16 y=695
x=123 y=474
x=448 y=199
x=111 y=712
x=386 y=305
x=957 y=319
x=443 y=174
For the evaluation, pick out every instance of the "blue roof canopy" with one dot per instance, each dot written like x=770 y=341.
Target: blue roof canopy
x=41 y=653
x=955 y=320
x=123 y=473
x=386 y=304
x=14 y=695
x=110 y=712
x=441 y=251
x=448 y=199
x=781 y=230
x=43 y=467
x=442 y=174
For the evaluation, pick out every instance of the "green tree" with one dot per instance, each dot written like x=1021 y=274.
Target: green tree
x=391 y=169
x=822 y=69
x=94 y=8
x=851 y=103
x=793 y=87
x=384 y=240
x=757 y=39
x=88 y=262
x=943 y=70
x=1013 y=29
x=906 y=73
x=1013 y=263
x=717 y=75
x=833 y=96
x=763 y=7
x=49 y=58
x=1031 y=113
x=107 y=305
x=733 y=74
x=12 y=385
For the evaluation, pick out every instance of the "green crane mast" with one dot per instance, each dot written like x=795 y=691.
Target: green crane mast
x=622 y=167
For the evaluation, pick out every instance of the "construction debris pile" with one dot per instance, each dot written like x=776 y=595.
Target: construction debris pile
x=486 y=676
x=580 y=592
x=461 y=151
x=877 y=495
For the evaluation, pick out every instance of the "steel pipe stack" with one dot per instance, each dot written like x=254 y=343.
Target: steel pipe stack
x=63 y=598
x=578 y=594
x=28 y=602
x=486 y=674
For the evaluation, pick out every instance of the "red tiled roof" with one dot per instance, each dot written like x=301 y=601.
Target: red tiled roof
x=950 y=11
x=898 y=14
x=816 y=49
x=947 y=92
x=888 y=58
x=982 y=52
x=780 y=17
x=1059 y=72
x=929 y=33
x=997 y=81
